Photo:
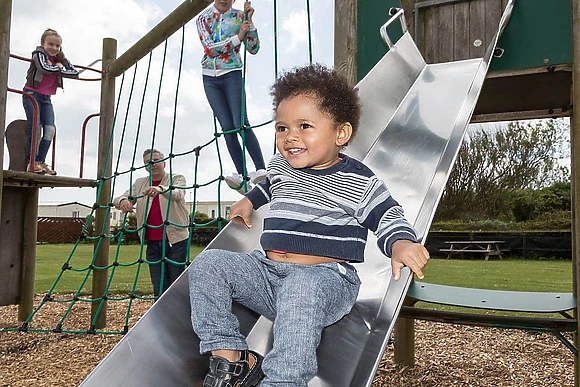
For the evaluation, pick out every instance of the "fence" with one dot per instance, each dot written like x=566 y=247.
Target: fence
x=59 y=229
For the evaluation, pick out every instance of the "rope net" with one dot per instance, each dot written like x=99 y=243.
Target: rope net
x=134 y=130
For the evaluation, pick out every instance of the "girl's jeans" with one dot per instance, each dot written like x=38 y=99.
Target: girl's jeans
x=45 y=119
x=224 y=94
x=163 y=273
x=300 y=299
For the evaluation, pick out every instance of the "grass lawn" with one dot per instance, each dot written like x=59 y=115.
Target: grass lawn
x=50 y=260
x=506 y=274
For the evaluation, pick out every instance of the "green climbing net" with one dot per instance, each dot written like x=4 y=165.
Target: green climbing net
x=131 y=141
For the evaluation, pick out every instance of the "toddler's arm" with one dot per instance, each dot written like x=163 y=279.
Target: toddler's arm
x=256 y=198
x=241 y=211
x=410 y=254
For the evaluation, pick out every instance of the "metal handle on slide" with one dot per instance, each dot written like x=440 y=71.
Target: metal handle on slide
x=396 y=13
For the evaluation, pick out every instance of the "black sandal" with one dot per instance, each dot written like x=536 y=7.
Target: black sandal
x=224 y=373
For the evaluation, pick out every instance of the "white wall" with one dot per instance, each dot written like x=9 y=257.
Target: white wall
x=65 y=211
x=73 y=210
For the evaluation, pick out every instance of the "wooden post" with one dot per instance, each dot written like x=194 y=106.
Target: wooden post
x=346 y=39
x=575 y=175
x=5 y=19
x=105 y=160
x=404 y=335
x=28 y=268
x=166 y=27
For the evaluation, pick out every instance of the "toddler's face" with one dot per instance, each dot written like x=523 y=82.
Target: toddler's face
x=52 y=45
x=306 y=135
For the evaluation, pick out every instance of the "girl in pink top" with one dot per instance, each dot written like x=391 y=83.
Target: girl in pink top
x=47 y=68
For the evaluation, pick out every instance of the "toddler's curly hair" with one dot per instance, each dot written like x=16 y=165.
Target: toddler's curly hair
x=334 y=94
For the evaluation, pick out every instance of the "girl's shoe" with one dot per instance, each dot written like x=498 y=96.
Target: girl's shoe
x=235 y=181
x=257 y=176
x=47 y=169
x=37 y=168
x=246 y=372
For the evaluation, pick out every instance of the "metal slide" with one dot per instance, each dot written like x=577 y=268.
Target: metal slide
x=414 y=118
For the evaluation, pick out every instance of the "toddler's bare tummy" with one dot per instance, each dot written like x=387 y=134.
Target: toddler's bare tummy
x=303 y=259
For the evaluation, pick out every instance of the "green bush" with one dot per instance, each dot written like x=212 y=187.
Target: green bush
x=200 y=218
x=531 y=204
x=524 y=205
x=555 y=197
x=555 y=220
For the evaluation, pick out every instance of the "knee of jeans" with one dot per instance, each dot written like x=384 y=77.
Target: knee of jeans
x=201 y=262
x=209 y=261
x=49 y=131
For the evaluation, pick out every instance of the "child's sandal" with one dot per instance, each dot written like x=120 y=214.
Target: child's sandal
x=35 y=168
x=246 y=372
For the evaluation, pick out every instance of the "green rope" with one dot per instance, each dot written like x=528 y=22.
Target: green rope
x=150 y=177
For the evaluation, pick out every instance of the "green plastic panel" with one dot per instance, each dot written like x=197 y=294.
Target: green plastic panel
x=539 y=34
x=372 y=14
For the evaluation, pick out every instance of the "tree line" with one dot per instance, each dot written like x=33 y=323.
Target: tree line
x=514 y=172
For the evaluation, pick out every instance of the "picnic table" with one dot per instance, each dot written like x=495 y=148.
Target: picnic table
x=488 y=248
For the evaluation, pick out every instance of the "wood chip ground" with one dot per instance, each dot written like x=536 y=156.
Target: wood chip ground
x=446 y=355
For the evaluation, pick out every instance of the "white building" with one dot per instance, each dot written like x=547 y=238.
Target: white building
x=64 y=210
x=74 y=210
x=211 y=208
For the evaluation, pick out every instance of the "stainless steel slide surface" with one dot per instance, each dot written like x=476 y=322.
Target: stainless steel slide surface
x=414 y=119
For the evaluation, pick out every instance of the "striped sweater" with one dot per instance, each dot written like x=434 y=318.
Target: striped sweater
x=328 y=212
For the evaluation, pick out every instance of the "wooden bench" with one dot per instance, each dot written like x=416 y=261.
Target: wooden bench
x=488 y=248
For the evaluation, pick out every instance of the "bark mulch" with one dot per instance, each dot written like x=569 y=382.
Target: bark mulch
x=446 y=355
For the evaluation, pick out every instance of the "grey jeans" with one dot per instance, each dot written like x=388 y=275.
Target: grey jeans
x=300 y=299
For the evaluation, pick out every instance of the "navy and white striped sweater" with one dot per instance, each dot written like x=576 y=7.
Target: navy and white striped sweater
x=328 y=212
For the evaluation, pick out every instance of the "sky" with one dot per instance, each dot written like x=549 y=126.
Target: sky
x=147 y=101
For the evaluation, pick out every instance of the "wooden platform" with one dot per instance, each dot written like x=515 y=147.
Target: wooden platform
x=15 y=175
x=27 y=180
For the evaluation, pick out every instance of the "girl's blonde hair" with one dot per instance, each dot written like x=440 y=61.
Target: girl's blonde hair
x=50 y=32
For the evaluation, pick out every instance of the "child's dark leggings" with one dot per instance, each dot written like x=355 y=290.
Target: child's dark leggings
x=224 y=94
